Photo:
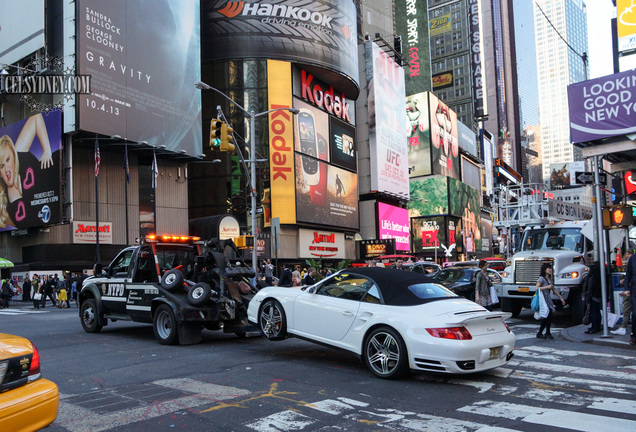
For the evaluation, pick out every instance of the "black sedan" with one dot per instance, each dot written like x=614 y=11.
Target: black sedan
x=461 y=280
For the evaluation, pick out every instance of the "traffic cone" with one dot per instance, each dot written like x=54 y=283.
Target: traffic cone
x=619 y=260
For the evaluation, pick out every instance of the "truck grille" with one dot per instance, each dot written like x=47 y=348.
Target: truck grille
x=528 y=271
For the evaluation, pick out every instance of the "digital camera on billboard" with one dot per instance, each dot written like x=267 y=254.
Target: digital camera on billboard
x=309 y=147
x=318 y=192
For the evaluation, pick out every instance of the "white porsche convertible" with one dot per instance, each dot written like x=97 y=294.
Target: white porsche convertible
x=395 y=320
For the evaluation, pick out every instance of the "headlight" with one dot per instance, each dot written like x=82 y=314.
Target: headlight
x=505 y=274
x=572 y=275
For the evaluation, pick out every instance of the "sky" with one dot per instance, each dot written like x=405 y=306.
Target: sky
x=599 y=30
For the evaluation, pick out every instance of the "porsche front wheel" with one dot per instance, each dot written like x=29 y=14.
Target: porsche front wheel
x=272 y=320
x=385 y=353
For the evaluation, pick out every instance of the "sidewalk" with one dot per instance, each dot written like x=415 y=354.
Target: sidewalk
x=577 y=334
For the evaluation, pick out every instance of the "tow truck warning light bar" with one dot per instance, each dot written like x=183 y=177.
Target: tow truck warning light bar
x=153 y=238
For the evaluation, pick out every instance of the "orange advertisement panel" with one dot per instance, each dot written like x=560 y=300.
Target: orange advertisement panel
x=281 y=142
x=626 y=24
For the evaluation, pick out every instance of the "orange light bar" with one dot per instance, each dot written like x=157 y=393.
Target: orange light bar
x=172 y=238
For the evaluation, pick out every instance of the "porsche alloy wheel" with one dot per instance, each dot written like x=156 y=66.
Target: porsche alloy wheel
x=385 y=353
x=272 y=320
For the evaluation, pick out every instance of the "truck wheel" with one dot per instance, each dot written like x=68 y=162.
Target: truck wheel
x=172 y=279
x=577 y=306
x=199 y=294
x=165 y=325
x=88 y=314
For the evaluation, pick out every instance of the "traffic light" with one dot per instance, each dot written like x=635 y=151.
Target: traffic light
x=617 y=216
x=215 y=133
x=244 y=242
x=227 y=139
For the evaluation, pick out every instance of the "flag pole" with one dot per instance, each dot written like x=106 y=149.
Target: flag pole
x=97 y=163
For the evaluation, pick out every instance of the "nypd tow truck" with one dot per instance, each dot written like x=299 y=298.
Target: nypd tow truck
x=179 y=284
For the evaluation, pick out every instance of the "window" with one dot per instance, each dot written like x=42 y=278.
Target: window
x=350 y=287
x=121 y=264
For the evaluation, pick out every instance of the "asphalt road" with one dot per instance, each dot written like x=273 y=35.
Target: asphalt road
x=122 y=380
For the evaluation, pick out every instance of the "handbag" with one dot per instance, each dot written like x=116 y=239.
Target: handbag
x=586 y=316
x=535 y=305
x=37 y=296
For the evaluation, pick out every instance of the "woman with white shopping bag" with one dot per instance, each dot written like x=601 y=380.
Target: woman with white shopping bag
x=483 y=283
x=543 y=287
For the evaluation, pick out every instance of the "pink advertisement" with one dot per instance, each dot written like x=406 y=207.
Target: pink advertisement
x=394 y=223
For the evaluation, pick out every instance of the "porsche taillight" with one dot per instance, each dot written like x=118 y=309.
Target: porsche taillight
x=507 y=328
x=458 y=333
x=34 y=369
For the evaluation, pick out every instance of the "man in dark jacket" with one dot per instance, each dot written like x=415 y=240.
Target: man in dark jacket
x=630 y=284
x=49 y=287
x=285 y=277
x=6 y=292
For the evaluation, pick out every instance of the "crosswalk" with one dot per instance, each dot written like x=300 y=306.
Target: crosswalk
x=21 y=311
x=542 y=388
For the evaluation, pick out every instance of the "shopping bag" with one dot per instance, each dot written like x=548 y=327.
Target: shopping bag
x=493 y=295
x=612 y=318
x=535 y=305
x=37 y=296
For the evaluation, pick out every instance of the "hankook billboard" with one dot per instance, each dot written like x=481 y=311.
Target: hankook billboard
x=144 y=57
x=30 y=186
x=313 y=32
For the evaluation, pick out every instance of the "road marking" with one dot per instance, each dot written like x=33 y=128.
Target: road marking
x=10 y=311
x=556 y=368
x=282 y=421
x=549 y=417
x=572 y=353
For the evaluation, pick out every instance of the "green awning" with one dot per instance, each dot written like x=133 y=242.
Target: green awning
x=4 y=263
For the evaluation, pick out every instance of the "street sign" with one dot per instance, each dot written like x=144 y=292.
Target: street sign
x=587 y=177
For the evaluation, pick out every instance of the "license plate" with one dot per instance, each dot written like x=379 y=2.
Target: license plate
x=524 y=289
x=494 y=353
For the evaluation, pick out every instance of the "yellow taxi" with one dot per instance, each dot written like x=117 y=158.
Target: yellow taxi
x=27 y=401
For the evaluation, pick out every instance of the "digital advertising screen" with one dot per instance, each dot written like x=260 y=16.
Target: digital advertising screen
x=311 y=128
x=387 y=117
x=30 y=151
x=393 y=222
x=465 y=204
x=419 y=136
x=429 y=233
x=428 y=197
x=144 y=57
x=325 y=193
x=444 y=139
x=343 y=144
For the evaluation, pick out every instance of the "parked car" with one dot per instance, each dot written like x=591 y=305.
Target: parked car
x=461 y=280
x=422 y=267
x=27 y=401
x=472 y=263
x=396 y=321
x=495 y=263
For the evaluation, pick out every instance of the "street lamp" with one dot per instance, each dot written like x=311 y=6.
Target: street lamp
x=252 y=115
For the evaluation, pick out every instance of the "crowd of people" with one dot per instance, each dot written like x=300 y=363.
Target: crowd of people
x=61 y=291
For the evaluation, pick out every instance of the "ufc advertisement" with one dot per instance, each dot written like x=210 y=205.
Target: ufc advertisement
x=315 y=32
x=444 y=139
x=325 y=193
x=143 y=57
x=394 y=224
x=30 y=172
x=419 y=136
x=387 y=117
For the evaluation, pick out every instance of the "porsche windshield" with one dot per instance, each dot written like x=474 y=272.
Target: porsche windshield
x=569 y=239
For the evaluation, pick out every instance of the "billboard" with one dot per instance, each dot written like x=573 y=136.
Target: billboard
x=428 y=197
x=410 y=23
x=467 y=139
x=311 y=131
x=325 y=193
x=603 y=107
x=343 y=144
x=439 y=25
x=562 y=175
x=21 y=30
x=281 y=142
x=387 y=117
x=465 y=205
x=373 y=248
x=626 y=25
x=444 y=139
x=477 y=59
x=393 y=222
x=144 y=58
x=320 y=32
x=488 y=179
x=418 y=134
x=442 y=80
x=30 y=151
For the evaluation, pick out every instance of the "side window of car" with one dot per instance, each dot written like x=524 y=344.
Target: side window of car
x=348 y=287
x=418 y=269
x=122 y=263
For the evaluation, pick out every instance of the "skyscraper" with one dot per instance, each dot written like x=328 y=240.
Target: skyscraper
x=561 y=41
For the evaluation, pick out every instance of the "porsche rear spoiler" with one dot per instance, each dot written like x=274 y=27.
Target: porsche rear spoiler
x=481 y=316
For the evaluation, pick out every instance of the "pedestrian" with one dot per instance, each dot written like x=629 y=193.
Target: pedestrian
x=74 y=293
x=399 y=264
x=296 y=279
x=286 y=277
x=62 y=293
x=482 y=286
x=592 y=291
x=630 y=281
x=544 y=286
x=309 y=277
x=6 y=293
x=268 y=270
x=26 y=289
x=48 y=288
x=627 y=301
x=36 y=289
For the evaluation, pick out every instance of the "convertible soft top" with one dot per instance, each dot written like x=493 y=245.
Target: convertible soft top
x=394 y=284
